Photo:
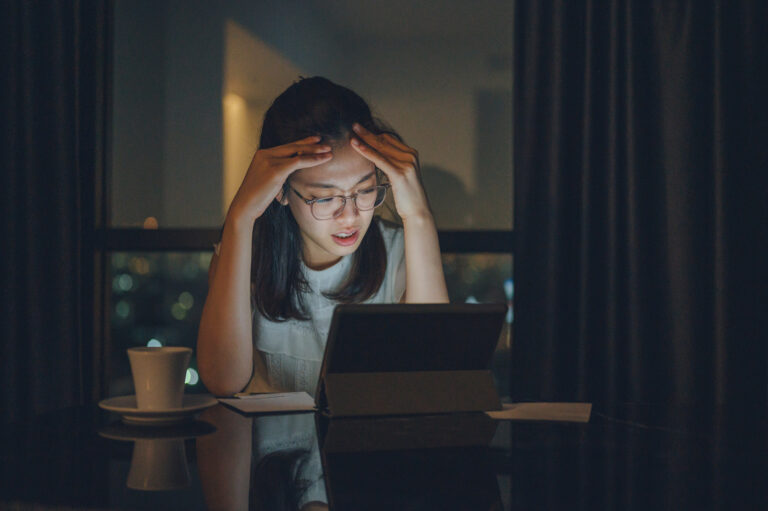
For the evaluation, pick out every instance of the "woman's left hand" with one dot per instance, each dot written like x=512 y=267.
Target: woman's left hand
x=400 y=164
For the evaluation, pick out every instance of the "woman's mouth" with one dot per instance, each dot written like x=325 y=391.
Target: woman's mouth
x=346 y=238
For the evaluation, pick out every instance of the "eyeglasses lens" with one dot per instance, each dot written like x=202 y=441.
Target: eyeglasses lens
x=327 y=208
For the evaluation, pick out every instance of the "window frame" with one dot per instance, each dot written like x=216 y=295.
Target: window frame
x=194 y=239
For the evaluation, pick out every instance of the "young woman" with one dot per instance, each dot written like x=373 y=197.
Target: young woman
x=300 y=237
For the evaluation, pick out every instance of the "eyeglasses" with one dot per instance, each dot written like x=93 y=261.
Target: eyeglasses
x=325 y=208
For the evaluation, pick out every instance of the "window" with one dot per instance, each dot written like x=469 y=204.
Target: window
x=156 y=299
x=190 y=89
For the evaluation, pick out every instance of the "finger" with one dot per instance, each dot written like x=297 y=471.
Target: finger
x=383 y=148
x=383 y=143
x=399 y=151
x=370 y=138
x=371 y=154
x=398 y=143
x=299 y=149
x=395 y=156
x=309 y=140
x=292 y=147
x=307 y=160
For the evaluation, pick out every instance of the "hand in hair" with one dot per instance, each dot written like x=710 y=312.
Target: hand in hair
x=424 y=279
x=270 y=168
x=400 y=163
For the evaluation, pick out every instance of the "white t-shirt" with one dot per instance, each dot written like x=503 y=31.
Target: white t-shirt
x=288 y=354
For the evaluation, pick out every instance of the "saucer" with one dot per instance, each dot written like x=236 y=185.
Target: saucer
x=126 y=407
x=133 y=432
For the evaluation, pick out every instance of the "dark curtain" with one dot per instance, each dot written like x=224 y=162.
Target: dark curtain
x=641 y=130
x=53 y=114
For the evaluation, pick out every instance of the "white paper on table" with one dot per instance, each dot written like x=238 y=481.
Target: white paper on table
x=568 y=412
x=272 y=402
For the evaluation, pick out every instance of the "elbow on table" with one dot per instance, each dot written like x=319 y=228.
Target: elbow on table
x=221 y=382
x=222 y=387
x=223 y=371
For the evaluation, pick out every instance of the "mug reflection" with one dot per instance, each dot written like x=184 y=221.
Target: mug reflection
x=159 y=458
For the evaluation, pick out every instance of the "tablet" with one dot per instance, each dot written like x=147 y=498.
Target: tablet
x=403 y=359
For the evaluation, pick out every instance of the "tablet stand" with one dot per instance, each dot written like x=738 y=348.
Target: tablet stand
x=405 y=393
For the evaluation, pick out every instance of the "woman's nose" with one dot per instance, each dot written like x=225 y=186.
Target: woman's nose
x=349 y=209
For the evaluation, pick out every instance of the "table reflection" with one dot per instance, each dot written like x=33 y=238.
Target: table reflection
x=627 y=457
x=264 y=462
x=309 y=462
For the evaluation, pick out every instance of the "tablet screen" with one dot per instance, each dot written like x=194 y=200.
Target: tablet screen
x=413 y=337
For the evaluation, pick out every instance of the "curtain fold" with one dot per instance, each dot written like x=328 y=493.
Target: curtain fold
x=641 y=180
x=53 y=108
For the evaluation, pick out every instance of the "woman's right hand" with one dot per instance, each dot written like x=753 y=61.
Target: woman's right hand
x=270 y=168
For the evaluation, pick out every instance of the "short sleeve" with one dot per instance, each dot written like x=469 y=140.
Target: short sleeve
x=395 y=275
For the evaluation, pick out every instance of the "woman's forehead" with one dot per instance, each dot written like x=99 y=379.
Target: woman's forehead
x=345 y=169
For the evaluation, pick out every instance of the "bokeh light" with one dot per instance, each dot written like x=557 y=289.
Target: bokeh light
x=125 y=282
x=123 y=309
x=139 y=265
x=154 y=343
x=204 y=260
x=509 y=289
x=178 y=311
x=186 y=300
x=120 y=261
x=192 y=377
x=150 y=223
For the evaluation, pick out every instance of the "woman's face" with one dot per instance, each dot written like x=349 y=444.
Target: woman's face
x=326 y=241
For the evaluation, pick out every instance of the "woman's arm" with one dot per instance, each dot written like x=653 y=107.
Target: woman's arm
x=225 y=339
x=424 y=279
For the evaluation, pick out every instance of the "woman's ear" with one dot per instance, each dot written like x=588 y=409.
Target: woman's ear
x=282 y=197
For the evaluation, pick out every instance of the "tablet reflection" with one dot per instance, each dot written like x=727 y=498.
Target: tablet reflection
x=431 y=462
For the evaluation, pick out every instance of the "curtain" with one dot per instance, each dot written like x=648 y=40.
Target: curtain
x=52 y=149
x=640 y=194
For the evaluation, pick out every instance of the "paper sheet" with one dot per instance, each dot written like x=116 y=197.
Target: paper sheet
x=568 y=412
x=272 y=402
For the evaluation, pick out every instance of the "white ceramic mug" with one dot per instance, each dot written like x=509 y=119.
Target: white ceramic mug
x=158 y=376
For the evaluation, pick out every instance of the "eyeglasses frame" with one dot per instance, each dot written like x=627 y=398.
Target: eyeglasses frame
x=310 y=202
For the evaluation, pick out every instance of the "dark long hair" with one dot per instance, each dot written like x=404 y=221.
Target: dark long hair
x=311 y=106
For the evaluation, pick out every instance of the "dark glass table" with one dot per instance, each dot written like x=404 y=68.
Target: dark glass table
x=627 y=457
